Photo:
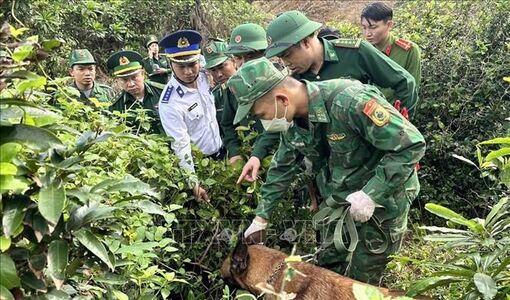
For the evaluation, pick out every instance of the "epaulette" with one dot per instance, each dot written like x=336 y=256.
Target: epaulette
x=157 y=85
x=406 y=45
x=166 y=96
x=117 y=97
x=347 y=43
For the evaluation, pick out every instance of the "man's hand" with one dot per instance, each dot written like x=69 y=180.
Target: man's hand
x=256 y=232
x=362 y=206
x=233 y=159
x=250 y=170
x=200 y=194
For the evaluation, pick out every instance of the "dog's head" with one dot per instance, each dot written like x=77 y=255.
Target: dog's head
x=236 y=264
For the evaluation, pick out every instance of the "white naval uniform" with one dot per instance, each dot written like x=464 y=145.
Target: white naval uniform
x=189 y=116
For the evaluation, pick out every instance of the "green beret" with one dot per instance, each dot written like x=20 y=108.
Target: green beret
x=247 y=38
x=251 y=82
x=124 y=63
x=214 y=54
x=81 y=57
x=287 y=30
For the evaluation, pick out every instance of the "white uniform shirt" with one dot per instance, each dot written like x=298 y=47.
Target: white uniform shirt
x=189 y=116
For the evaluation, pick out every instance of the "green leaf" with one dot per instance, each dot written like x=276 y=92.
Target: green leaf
x=500 y=140
x=51 y=202
x=138 y=248
x=499 y=210
x=497 y=154
x=57 y=295
x=13 y=214
x=13 y=183
x=51 y=44
x=29 y=280
x=444 y=229
x=30 y=136
x=120 y=295
x=7 y=169
x=17 y=31
x=8 y=151
x=87 y=214
x=8 y=276
x=148 y=207
x=486 y=286
x=366 y=292
x=58 y=253
x=452 y=216
x=22 y=52
x=173 y=207
x=5 y=243
x=5 y=294
x=465 y=160
x=90 y=241
x=429 y=283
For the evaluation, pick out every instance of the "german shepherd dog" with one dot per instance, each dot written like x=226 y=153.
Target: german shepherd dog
x=256 y=267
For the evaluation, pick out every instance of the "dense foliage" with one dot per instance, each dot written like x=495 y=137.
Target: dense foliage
x=92 y=208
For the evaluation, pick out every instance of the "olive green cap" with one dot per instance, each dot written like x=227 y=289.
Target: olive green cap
x=247 y=38
x=252 y=81
x=287 y=30
x=151 y=39
x=124 y=63
x=81 y=57
x=214 y=53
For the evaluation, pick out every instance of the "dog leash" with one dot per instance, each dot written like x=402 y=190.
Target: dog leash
x=275 y=273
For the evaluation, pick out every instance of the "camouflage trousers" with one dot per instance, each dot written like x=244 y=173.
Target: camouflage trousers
x=377 y=241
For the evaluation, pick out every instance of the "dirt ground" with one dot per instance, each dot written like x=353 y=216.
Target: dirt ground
x=319 y=10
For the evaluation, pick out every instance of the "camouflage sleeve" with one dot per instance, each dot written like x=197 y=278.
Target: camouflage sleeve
x=281 y=173
x=386 y=73
x=230 y=138
x=387 y=130
x=264 y=143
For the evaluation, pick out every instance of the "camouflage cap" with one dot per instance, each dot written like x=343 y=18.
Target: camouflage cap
x=124 y=63
x=247 y=38
x=81 y=57
x=287 y=30
x=251 y=82
x=151 y=39
x=214 y=53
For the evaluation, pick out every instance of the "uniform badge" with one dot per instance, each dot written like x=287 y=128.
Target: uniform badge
x=192 y=106
x=179 y=91
x=208 y=50
x=377 y=113
x=336 y=136
x=81 y=53
x=123 y=60
x=237 y=39
x=166 y=96
x=182 y=42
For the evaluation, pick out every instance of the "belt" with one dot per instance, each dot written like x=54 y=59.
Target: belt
x=218 y=155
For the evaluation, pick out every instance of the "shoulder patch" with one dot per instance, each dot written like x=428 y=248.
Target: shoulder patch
x=406 y=45
x=179 y=91
x=379 y=115
x=347 y=43
x=166 y=96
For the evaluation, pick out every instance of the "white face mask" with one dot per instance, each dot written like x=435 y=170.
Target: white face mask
x=277 y=124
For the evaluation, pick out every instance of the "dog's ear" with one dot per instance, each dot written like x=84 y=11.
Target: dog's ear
x=240 y=258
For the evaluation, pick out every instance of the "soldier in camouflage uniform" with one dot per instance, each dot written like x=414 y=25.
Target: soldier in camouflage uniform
x=362 y=150
x=247 y=42
x=376 y=23
x=82 y=67
x=126 y=67
x=292 y=37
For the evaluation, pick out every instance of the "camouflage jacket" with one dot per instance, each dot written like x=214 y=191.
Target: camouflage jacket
x=100 y=92
x=355 y=139
x=265 y=142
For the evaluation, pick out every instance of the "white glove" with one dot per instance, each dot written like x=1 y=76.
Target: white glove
x=362 y=206
x=257 y=224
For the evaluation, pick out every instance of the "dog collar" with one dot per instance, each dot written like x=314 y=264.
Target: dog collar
x=275 y=273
